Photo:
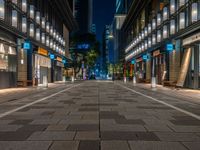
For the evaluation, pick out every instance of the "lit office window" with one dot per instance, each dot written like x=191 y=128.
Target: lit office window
x=194 y=12
x=24 y=5
x=2 y=9
x=153 y=39
x=51 y=43
x=165 y=13
x=158 y=19
x=31 y=11
x=54 y=33
x=145 y=31
x=172 y=6
x=154 y=24
x=47 y=27
x=165 y=32
x=47 y=41
x=24 y=24
x=57 y=50
x=43 y=38
x=43 y=22
x=149 y=42
x=182 y=20
x=38 y=34
x=37 y=17
x=14 y=18
x=142 y=35
x=149 y=28
x=57 y=36
x=31 y=30
x=14 y=1
x=172 y=27
x=143 y=47
x=182 y=2
x=51 y=30
x=158 y=36
x=54 y=46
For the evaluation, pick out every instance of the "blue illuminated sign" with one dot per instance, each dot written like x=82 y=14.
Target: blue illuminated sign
x=144 y=57
x=170 y=47
x=27 y=45
x=52 y=56
x=83 y=46
x=133 y=62
x=64 y=61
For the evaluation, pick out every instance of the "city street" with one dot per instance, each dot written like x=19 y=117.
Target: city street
x=99 y=115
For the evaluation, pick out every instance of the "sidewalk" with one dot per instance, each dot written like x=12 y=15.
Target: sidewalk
x=188 y=93
x=12 y=94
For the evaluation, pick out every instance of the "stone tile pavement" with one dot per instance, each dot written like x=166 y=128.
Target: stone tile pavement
x=99 y=116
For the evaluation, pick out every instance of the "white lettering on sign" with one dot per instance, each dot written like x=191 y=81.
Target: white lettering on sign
x=191 y=39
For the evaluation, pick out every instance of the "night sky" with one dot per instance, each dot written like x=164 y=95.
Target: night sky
x=103 y=15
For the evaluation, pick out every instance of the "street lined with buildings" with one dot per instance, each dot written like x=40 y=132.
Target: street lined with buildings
x=100 y=115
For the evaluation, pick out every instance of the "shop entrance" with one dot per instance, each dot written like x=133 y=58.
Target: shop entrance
x=193 y=75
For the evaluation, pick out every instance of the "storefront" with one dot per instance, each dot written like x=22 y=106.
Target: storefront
x=42 y=67
x=140 y=70
x=158 y=66
x=58 y=72
x=190 y=68
x=8 y=65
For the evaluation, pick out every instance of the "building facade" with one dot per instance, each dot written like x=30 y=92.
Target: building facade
x=162 y=44
x=33 y=41
x=84 y=15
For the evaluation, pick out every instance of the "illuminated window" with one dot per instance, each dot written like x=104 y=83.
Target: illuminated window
x=165 y=13
x=31 y=11
x=158 y=19
x=51 y=43
x=172 y=27
x=158 y=36
x=14 y=18
x=165 y=32
x=154 y=24
x=149 y=28
x=31 y=30
x=2 y=9
x=172 y=6
x=43 y=38
x=194 y=12
x=38 y=34
x=24 y=24
x=153 y=39
x=43 y=22
x=51 y=31
x=14 y=1
x=149 y=42
x=181 y=2
x=38 y=17
x=24 y=5
x=47 y=41
x=182 y=20
x=47 y=27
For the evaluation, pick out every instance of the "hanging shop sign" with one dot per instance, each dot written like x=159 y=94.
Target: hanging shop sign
x=42 y=51
x=156 y=53
x=144 y=57
x=133 y=62
x=169 y=47
x=191 y=39
x=52 y=56
x=59 y=59
x=26 y=45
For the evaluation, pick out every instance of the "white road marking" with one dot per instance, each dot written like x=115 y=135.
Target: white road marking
x=35 y=102
x=164 y=103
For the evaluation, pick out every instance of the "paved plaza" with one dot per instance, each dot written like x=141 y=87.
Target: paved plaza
x=99 y=115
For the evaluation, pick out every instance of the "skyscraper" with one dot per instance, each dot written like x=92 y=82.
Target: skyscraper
x=83 y=15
